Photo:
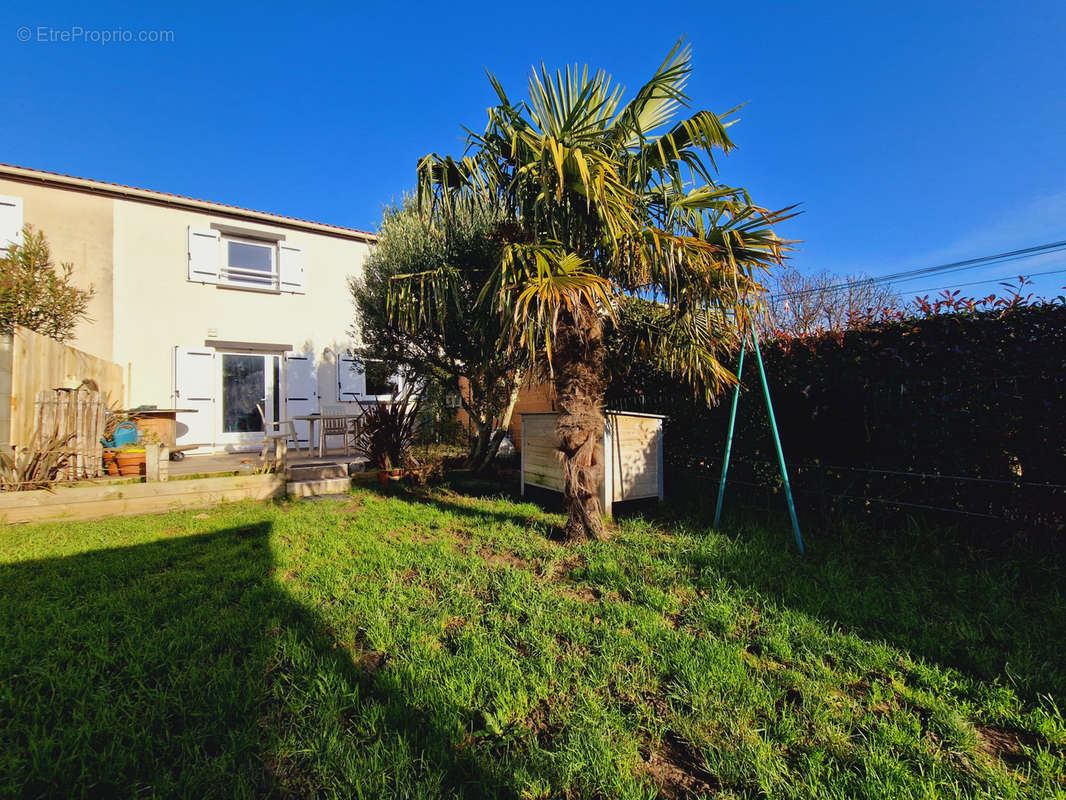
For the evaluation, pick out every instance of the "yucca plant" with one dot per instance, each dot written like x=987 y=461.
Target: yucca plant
x=387 y=431
x=35 y=468
x=601 y=201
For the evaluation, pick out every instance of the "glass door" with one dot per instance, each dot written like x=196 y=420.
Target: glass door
x=248 y=384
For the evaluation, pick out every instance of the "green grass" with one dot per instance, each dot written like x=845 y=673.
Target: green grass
x=394 y=645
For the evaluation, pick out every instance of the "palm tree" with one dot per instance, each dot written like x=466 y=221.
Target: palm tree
x=601 y=200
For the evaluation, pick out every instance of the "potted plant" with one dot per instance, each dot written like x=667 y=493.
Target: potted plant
x=131 y=459
x=386 y=432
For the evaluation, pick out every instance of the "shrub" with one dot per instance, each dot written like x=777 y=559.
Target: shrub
x=35 y=468
x=387 y=431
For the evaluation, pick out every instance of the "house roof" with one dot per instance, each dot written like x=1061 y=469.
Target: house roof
x=27 y=175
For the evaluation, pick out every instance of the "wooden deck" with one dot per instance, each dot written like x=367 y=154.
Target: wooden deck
x=194 y=482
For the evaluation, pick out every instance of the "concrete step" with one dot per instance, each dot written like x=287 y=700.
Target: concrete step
x=311 y=488
x=317 y=472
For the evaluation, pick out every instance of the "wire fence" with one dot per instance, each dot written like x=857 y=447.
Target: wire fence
x=800 y=474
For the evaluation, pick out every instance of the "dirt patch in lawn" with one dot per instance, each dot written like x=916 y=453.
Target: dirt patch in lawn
x=461 y=538
x=544 y=724
x=678 y=769
x=1008 y=746
x=504 y=559
x=586 y=594
x=370 y=661
x=416 y=534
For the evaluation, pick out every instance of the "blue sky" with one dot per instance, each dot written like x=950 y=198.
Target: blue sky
x=912 y=133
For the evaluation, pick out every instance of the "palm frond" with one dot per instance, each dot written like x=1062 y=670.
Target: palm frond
x=602 y=197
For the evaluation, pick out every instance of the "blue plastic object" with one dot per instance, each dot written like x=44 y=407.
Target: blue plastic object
x=125 y=433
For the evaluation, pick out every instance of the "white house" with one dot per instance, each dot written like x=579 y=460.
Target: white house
x=205 y=306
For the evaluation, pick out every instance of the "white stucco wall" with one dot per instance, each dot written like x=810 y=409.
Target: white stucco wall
x=157 y=307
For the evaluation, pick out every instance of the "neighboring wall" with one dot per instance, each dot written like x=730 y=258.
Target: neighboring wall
x=37 y=363
x=538 y=397
x=78 y=226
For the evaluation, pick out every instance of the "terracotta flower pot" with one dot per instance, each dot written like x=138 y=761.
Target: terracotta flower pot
x=131 y=463
x=110 y=464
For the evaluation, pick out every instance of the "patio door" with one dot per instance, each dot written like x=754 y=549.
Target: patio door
x=247 y=382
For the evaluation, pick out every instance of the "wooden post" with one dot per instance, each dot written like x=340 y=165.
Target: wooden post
x=6 y=349
x=607 y=478
x=522 y=463
x=151 y=462
x=659 y=459
x=281 y=451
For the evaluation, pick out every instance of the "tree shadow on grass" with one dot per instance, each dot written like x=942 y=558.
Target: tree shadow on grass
x=465 y=506
x=921 y=589
x=183 y=667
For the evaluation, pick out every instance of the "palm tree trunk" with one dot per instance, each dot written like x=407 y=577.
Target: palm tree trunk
x=579 y=362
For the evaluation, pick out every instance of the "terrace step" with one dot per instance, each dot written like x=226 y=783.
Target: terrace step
x=312 y=488
x=318 y=472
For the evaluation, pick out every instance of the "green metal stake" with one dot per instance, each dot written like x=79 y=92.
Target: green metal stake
x=777 y=441
x=729 y=435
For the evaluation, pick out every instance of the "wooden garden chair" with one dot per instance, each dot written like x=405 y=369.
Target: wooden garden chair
x=334 y=421
x=278 y=430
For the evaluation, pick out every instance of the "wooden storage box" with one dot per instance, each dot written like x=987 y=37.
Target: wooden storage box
x=633 y=471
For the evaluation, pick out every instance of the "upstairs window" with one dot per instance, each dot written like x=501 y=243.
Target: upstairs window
x=245 y=262
x=249 y=263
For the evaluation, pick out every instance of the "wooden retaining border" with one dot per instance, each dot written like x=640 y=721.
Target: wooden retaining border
x=123 y=499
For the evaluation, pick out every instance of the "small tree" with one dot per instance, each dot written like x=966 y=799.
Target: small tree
x=801 y=305
x=37 y=295
x=455 y=345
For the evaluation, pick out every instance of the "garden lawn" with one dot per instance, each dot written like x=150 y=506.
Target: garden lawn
x=439 y=644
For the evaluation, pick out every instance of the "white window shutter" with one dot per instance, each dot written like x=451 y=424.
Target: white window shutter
x=351 y=380
x=10 y=221
x=194 y=389
x=301 y=391
x=291 y=264
x=203 y=255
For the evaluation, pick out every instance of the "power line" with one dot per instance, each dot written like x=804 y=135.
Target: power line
x=988 y=280
x=953 y=266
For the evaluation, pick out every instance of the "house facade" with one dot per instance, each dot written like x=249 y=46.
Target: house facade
x=207 y=307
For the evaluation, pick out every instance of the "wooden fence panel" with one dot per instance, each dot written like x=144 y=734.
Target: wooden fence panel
x=37 y=363
x=79 y=414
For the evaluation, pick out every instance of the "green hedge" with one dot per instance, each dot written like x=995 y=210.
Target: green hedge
x=968 y=395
